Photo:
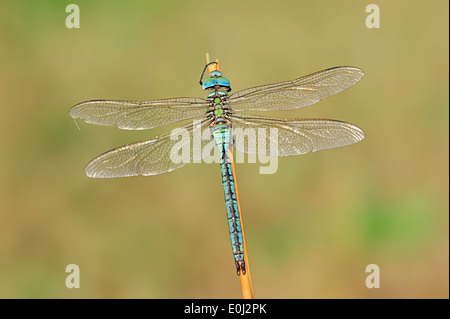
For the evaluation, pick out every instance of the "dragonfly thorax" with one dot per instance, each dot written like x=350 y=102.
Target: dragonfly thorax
x=218 y=107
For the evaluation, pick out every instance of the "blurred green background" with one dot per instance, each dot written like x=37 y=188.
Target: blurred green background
x=311 y=228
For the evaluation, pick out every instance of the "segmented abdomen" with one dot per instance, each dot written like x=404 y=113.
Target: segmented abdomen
x=222 y=137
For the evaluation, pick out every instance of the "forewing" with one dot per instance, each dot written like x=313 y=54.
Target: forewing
x=298 y=93
x=134 y=115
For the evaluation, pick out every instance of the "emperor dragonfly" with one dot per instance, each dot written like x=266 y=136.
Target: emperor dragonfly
x=218 y=112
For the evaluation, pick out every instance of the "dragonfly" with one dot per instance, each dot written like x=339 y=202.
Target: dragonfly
x=219 y=114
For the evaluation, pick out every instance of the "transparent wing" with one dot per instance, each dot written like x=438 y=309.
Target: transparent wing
x=154 y=156
x=289 y=137
x=298 y=93
x=134 y=115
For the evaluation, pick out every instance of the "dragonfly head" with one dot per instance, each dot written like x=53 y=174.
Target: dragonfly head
x=215 y=78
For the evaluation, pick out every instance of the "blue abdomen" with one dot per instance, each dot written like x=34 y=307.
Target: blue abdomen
x=222 y=137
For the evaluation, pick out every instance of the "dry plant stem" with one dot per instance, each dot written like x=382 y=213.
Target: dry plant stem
x=246 y=280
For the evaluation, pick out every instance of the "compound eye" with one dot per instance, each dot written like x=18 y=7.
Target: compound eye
x=223 y=81
x=208 y=83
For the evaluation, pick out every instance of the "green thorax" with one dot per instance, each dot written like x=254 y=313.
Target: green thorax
x=218 y=106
